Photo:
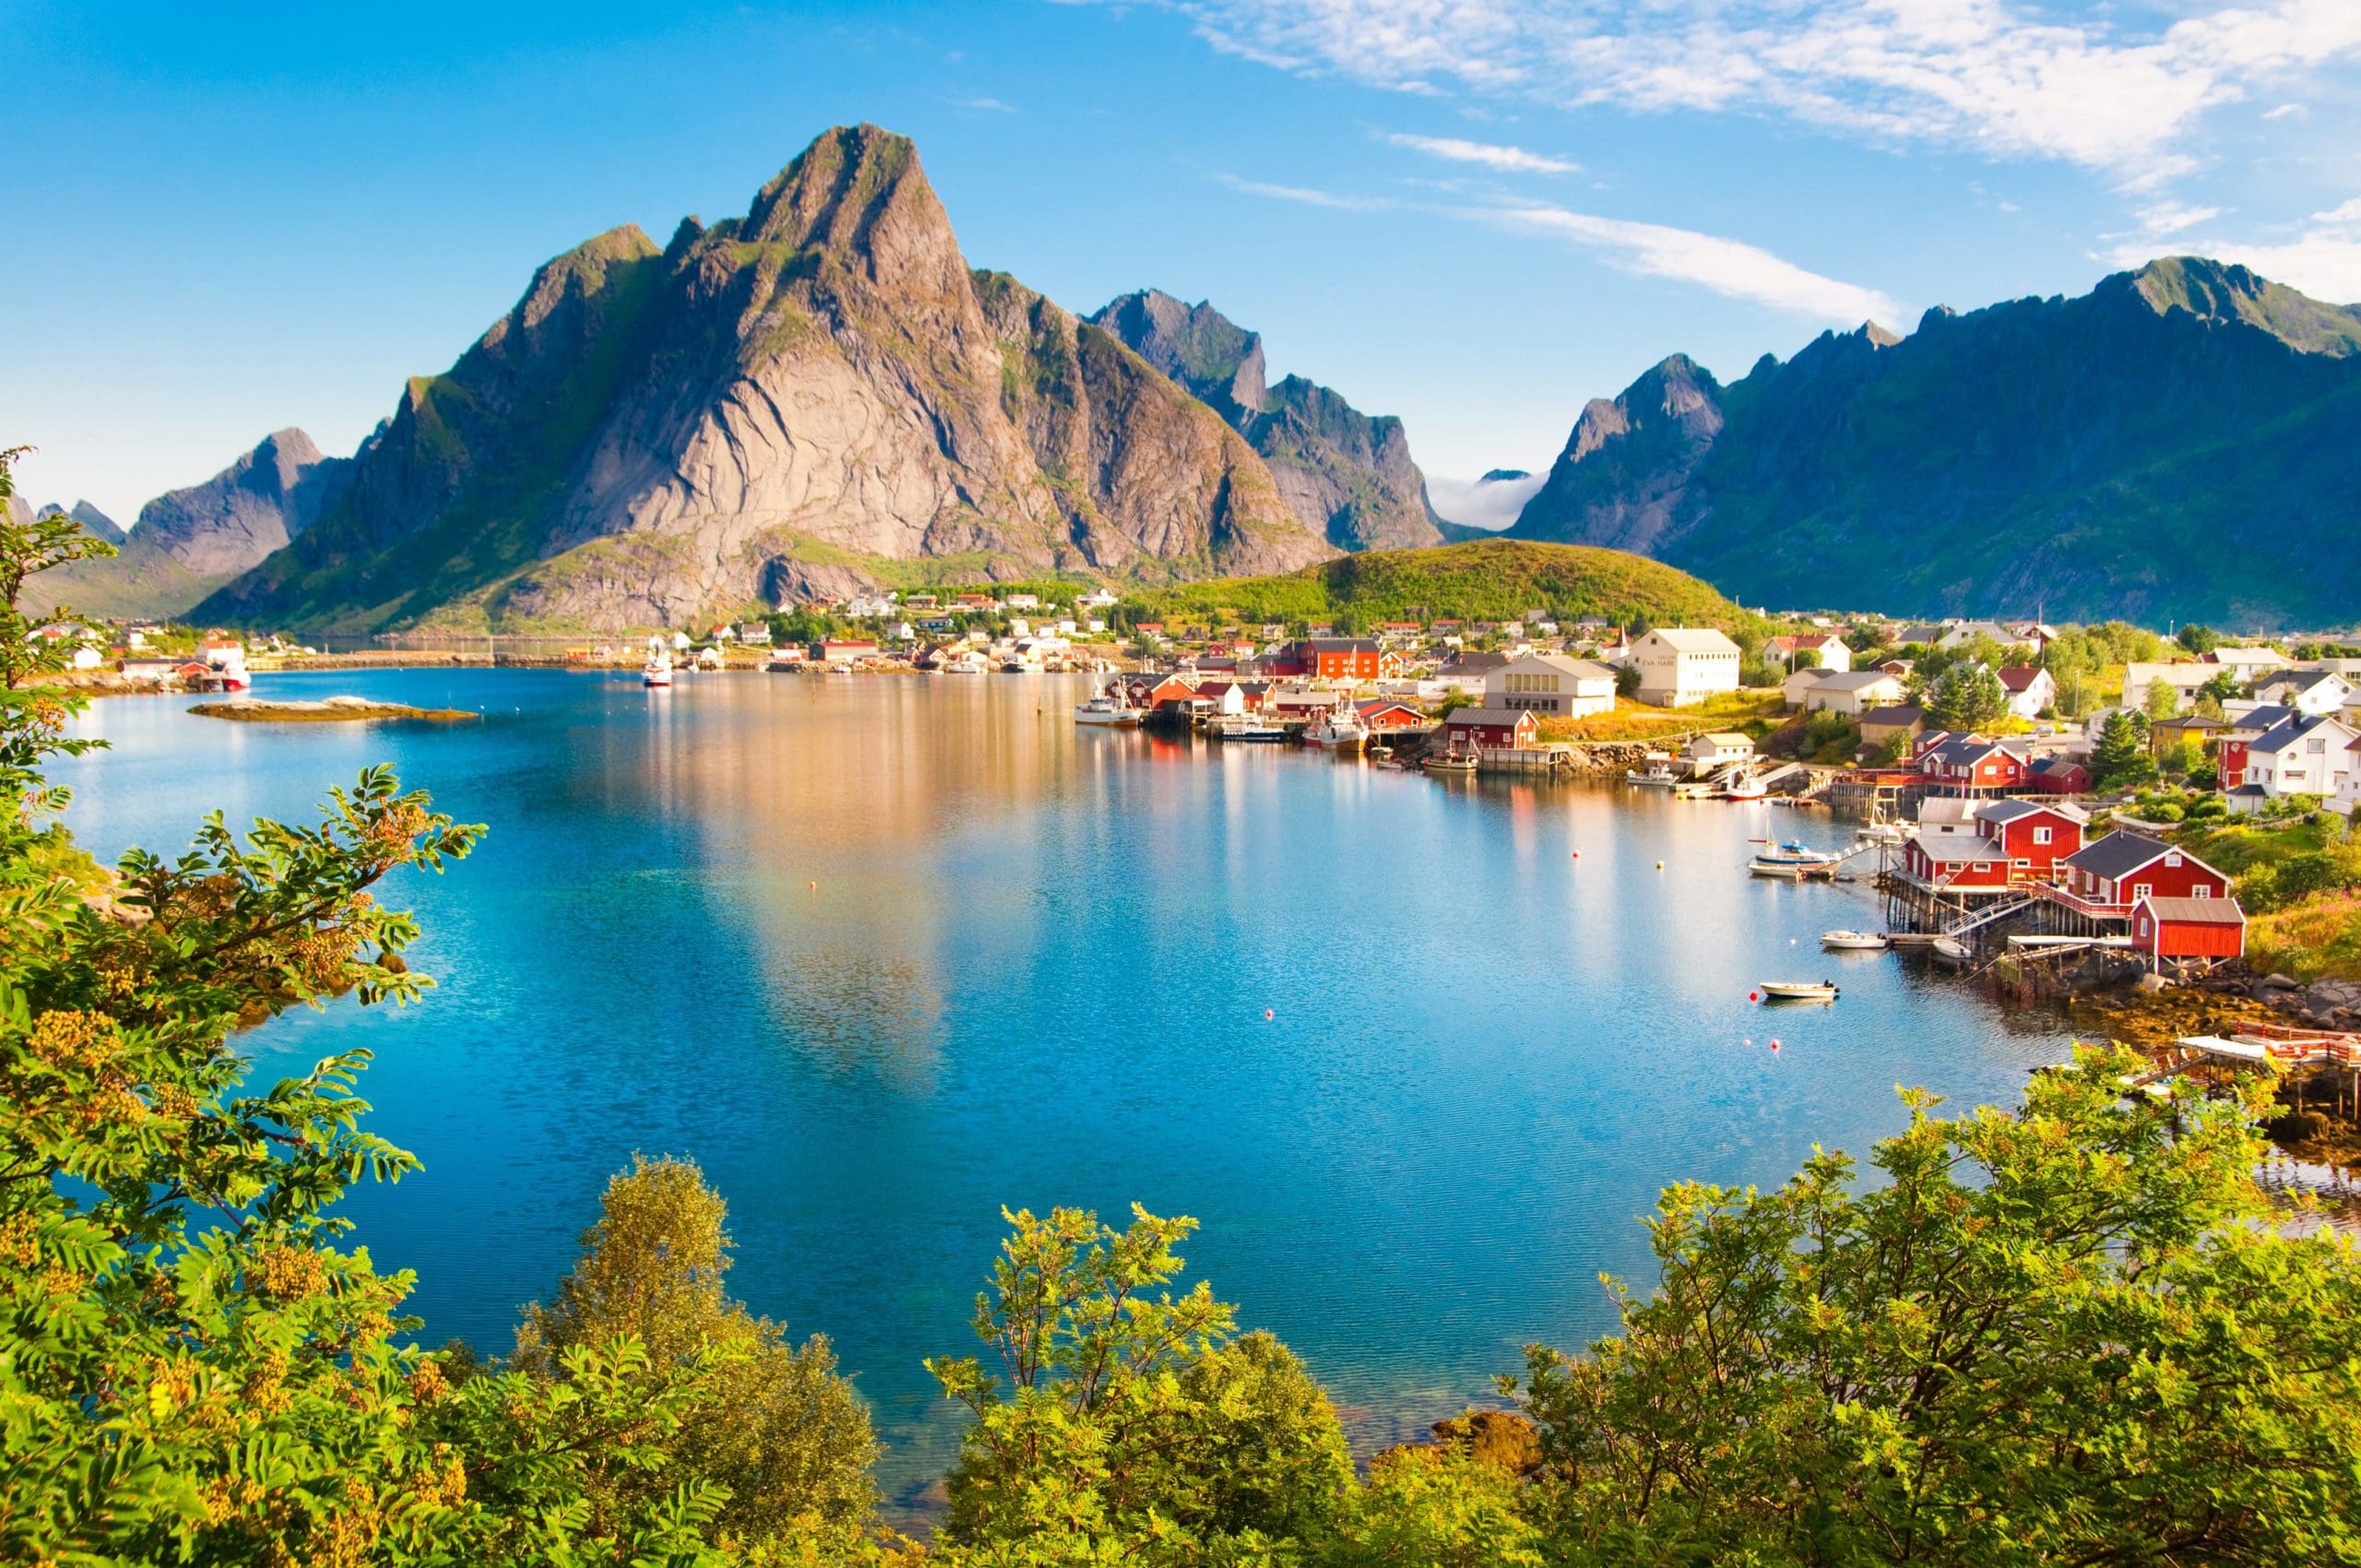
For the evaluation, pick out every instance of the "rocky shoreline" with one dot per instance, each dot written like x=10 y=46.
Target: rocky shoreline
x=327 y=710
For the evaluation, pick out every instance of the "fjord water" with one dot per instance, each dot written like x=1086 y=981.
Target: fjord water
x=1033 y=972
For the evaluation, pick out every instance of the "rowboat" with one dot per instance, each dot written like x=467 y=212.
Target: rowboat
x=1952 y=950
x=1452 y=763
x=1797 y=990
x=1853 y=940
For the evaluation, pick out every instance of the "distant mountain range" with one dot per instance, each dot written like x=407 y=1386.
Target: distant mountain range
x=2182 y=443
x=188 y=544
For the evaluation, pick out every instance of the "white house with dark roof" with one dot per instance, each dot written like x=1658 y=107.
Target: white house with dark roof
x=2032 y=689
x=1848 y=692
x=2305 y=754
x=1681 y=665
x=2306 y=691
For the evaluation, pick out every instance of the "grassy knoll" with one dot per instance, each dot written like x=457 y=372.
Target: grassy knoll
x=1486 y=580
x=1748 y=712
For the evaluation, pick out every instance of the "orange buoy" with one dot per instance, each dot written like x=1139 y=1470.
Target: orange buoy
x=1754 y=996
x=1774 y=1045
x=1267 y=1014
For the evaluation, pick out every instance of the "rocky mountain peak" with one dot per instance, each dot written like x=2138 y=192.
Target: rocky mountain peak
x=2219 y=293
x=93 y=522
x=1218 y=361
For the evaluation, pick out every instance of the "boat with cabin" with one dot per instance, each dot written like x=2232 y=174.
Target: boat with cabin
x=1659 y=774
x=1246 y=727
x=1340 y=729
x=1793 y=861
x=657 y=671
x=1745 y=786
x=1105 y=709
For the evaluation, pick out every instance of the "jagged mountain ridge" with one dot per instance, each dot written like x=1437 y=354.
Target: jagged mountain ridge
x=93 y=522
x=2184 y=442
x=814 y=395
x=1348 y=475
x=188 y=543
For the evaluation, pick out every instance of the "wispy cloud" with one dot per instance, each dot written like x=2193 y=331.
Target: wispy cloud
x=1491 y=155
x=1709 y=261
x=1304 y=195
x=2007 y=78
x=2287 y=111
x=992 y=105
x=2321 y=257
x=2171 y=217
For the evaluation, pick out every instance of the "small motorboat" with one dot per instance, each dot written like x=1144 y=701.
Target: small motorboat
x=1245 y=729
x=1377 y=753
x=657 y=671
x=1745 y=786
x=1797 y=990
x=1792 y=861
x=1105 y=709
x=1952 y=951
x=1853 y=940
x=1659 y=773
x=1882 y=833
x=1449 y=763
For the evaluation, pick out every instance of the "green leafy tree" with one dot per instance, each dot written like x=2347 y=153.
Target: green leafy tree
x=2162 y=700
x=1965 y=696
x=1626 y=681
x=193 y=1368
x=777 y=1427
x=2073 y=1335
x=2198 y=639
x=1123 y=1422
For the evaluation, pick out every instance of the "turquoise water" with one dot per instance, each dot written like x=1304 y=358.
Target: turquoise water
x=1034 y=971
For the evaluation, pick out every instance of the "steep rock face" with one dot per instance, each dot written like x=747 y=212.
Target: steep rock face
x=93 y=522
x=651 y=436
x=2182 y=443
x=190 y=542
x=1347 y=476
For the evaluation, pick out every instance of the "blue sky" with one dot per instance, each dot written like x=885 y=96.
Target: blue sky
x=1470 y=213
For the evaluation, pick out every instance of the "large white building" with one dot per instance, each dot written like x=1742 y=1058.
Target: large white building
x=1552 y=683
x=1680 y=665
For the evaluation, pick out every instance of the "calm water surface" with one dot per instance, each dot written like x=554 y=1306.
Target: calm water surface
x=1034 y=972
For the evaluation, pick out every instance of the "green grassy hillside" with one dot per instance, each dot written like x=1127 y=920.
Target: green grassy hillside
x=1488 y=580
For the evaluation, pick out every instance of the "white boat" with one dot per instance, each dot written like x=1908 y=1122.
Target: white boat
x=1952 y=950
x=1340 y=730
x=1853 y=940
x=1797 y=990
x=1882 y=833
x=657 y=671
x=1107 y=710
x=1245 y=728
x=1660 y=773
x=1745 y=786
x=1450 y=762
x=1792 y=861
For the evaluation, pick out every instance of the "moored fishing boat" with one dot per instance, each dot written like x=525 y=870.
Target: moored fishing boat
x=1792 y=861
x=1449 y=763
x=1106 y=708
x=657 y=671
x=1338 y=730
x=1659 y=773
x=1745 y=786
x=1245 y=728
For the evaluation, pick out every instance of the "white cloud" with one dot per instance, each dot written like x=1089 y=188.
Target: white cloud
x=2348 y=213
x=1723 y=266
x=1478 y=504
x=992 y=105
x=2322 y=258
x=1509 y=160
x=1999 y=76
x=2171 y=217
x=1304 y=195
x=2286 y=110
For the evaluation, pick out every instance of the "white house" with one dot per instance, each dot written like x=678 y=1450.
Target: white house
x=2249 y=663
x=2307 y=756
x=1854 y=691
x=1831 y=651
x=2032 y=690
x=1552 y=683
x=1848 y=692
x=2186 y=678
x=2306 y=691
x=1709 y=752
x=1680 y=665
x=2348 y=797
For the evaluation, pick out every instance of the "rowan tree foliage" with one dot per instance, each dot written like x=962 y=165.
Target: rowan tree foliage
x=2078 y=1334
x=781 y=1430
x=194 y=1367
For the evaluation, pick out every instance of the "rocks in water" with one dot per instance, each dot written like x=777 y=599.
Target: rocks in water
x=326 y=711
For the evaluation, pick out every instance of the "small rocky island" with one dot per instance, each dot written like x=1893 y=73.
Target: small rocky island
x=326 y=711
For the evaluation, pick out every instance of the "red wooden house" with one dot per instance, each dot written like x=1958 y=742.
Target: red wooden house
x=2181 y=928
x=1468 y=728
x=1971 y=764
x=2059 y=776
x=1384 y=713
x=2107 y=876
x=1147 y=690
x=2031 y=836
x=1344 y=659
